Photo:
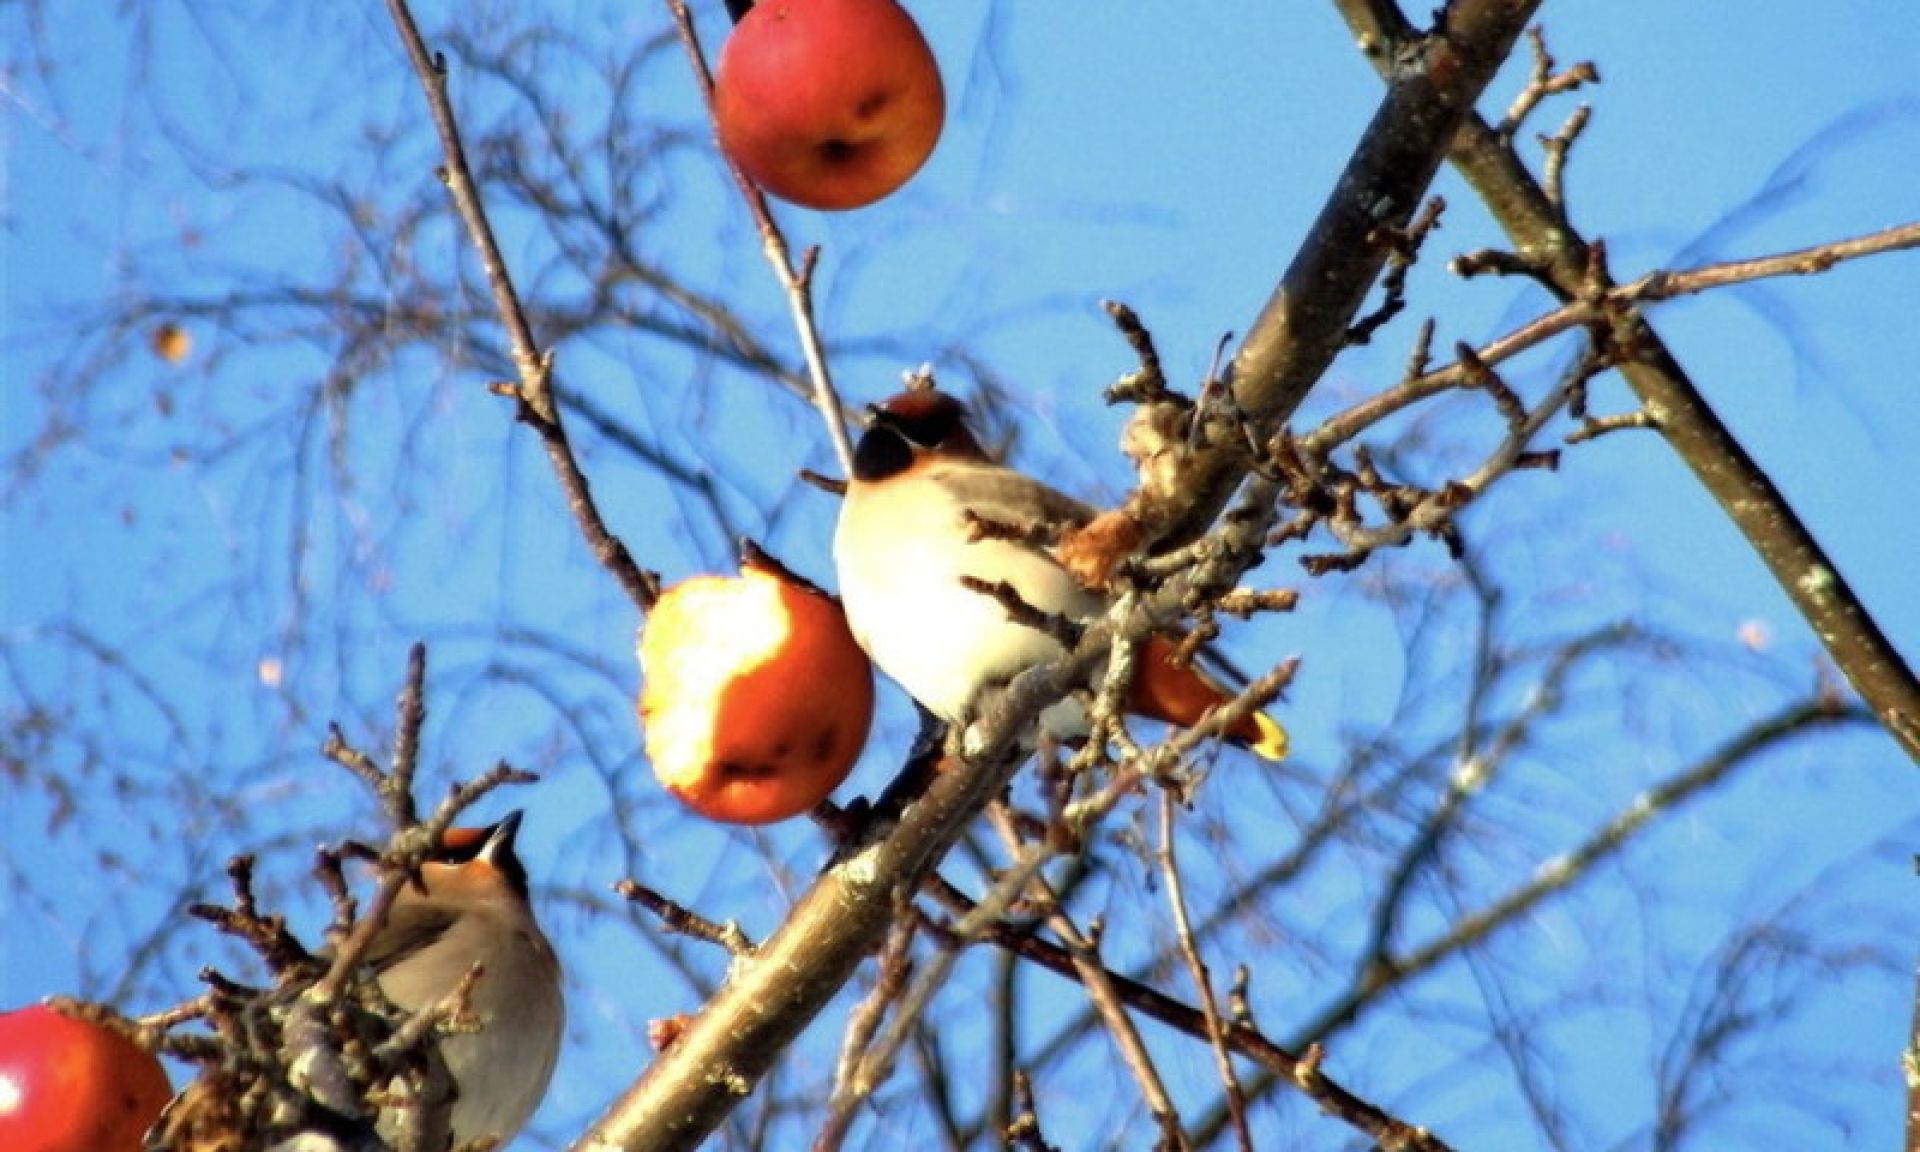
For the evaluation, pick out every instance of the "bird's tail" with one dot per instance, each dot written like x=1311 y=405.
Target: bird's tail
x=1168 y=689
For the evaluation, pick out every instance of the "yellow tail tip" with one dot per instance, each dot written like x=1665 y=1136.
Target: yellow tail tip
x=1273 y=743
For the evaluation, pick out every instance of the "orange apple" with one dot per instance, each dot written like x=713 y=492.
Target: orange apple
x=67 y=1085
x=828 y=103
x=755 y=700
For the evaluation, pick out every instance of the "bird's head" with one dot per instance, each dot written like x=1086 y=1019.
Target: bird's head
x=910 y=426
x=475 y=860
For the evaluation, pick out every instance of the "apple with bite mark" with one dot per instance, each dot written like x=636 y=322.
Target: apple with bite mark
x=755 y=698
x=830 y=104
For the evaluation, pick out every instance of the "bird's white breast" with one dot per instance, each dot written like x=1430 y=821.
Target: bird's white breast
x=901 y=548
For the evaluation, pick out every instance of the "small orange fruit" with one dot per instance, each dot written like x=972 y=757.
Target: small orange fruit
x=171 y=342
x=755 y=700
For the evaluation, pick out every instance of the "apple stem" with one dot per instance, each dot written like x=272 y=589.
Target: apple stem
x=738 y=9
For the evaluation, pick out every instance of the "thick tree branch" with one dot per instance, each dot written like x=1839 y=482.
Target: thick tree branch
x=1305 y=323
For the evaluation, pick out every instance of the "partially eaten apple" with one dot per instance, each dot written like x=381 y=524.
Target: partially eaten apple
x=830 y=104
x=755 y=700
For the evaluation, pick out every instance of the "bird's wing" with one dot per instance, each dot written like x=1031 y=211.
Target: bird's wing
x=409 y=928
x=1014 y=499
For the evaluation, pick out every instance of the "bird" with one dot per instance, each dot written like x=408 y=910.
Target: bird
x=470 y=906
x=466 y=907
x=925 y=509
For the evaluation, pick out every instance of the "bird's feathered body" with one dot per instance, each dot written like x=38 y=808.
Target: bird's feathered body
x=925 y=509
x=467 y=906
x=907 y=605
x=464 y=916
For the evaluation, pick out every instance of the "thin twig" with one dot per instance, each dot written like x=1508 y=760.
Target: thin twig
x=1062 y=628
x=1023 y=1130
x=850 y=1089
x=1542 y=82
x=1148 y=383
x=1083 y=949
x=1404 y=244
x=680 y=919
x=796 y=282
x=533 y=390
x=1558 y=148
x=1197 y=968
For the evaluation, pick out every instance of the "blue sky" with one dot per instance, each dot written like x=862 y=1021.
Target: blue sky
x=1166 y=157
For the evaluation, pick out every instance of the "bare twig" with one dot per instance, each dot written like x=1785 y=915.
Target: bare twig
x=1245 y=603
x=796 y=282
x=1202 y=980
x=533 y=390
x=850 y=1088
x=678 y=918
x=1023 y=1131
x=1148 y=383
x=1558 y=147
x=1595 y=427
x=826 y=484
x=1744 y=491
x=1083 y=952
x=1404 y=244
x=1542 y=82
x=1061 y=628
x=1809 y=261
x=267 y=935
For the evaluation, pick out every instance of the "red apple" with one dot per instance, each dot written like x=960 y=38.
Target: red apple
x=828 y=103
x=70 y=1086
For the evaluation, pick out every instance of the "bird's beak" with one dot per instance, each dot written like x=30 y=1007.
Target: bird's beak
x=500 y=839
x=875 y=416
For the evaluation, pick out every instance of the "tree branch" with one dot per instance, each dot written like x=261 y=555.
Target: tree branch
x=797 y=283
x=1548 y=242
x=534 y=390
x=1301 y=1070
x=1305 y=322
